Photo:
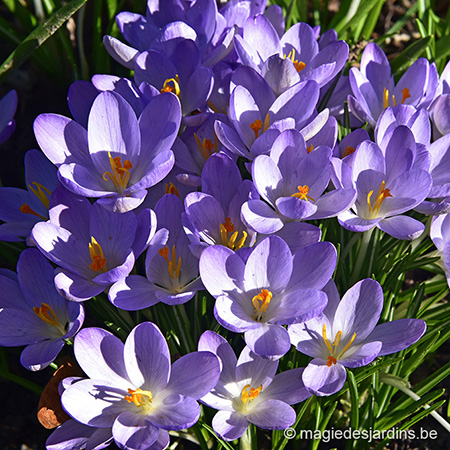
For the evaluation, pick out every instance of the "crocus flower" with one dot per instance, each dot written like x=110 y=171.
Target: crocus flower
x=299 y=45
x=374 y=89
x=292 y=181
x=248 y=391
x=273 y=288
x=8 y=106
x=346 y=334
x=119 y=156
x=389 y=182
x=94 y=247
x=20 y=209
x=32 y=313
x=134 y=389
x=172 y=275
x=214 y=215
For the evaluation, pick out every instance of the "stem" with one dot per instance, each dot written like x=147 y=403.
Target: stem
x=365 y=239
x=403 y=386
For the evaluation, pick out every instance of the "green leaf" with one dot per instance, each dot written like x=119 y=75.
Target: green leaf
x=36 y=38
x=354 y=398
x=410 y=54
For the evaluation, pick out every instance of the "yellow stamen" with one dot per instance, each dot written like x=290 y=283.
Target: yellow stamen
x=348 y=151
x=256 y=126
x=347 y=346
x=382 y=194
x=331 y=360
x=44 y=197
x=206 y=148
x=26 y=209
x=310 y=148
x=302 y=193
x=405 y=95
x=172 y=189
x=325 y=339
x=173 y=267
x=97 y=257
x=120 y=174
x=385 y=98
x=249 y=394
x=299 y=65
x=141 y=398
x=265 y=296
x=45 y=312
x=172 y=85
x=230 y=241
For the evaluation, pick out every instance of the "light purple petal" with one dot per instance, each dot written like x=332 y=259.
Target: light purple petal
x=40 y=355
x=272 y=414
x=134 y=432
x=402 y=227
x=322 y=380
x=288 y=387
x=268 y=340
x=229 y=425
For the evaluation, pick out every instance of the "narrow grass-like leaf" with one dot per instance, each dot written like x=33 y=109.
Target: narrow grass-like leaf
x=410 y=54
x=37 y=37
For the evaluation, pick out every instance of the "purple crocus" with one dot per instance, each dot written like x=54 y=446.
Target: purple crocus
x=134 y=389
x=292 y=181
x=389 y=182
x=214 y=215
x=346 y=334
x=20 y=209
x=94 y=247
x=32 y=313
x=248 y=391
x=172 y=275
x=8 y=106
x=119 y=156
x=440 y=235
x=273 y=288
x=374 y=89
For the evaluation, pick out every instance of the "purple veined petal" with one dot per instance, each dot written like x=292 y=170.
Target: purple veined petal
x=11 y=295
x=298 y=235
x=73 y=435
x=250 y=79
x=175 y=412
x=213 y=342
x=360 y=110
x=120 y=52
x=94 y=402
x=295 y=208
x=333 y=203
x=12 y=200
x=146 y=228
x=247 y=54
x=440 y=159
x=230 y=139
x=365 y=94
x=259 y=216
x=297 y=306
x=399 y=152
x=272 y=414
x=301 y=38
x=287 y=387
x=415 y=80
x=39 y=355
x=254 y=370
x=244 y=111
x=298 y=102
x=235 y=315
x=322 y=380
x=198 y=89
x=194 y=374
x=206 y=215
x=112 y=127
x=359 y=310
x=313 y=266
x=153 y=67
x=61 y=139
x=158 y=124
x=132 y=293
x=353 y=222
x=267 y=178
x=376 y=68
x=439 y=113
x=280 y=74
x=80 y=97
x=368 y=157
x=39 y=169
x=229 y=425
x=147 y=357
x=221 y=270
x=313 y=128
x=261 y=35
x=75 y=287
x=397 y=335
x=431 y=208
x=201 y=16
x=162 y=441
x=8 y=106
x=268 y=340
x=134 y=431
x=132 y=27
x=269 y=266
x=402 y=227
x=100 y=354
x=361 y=355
